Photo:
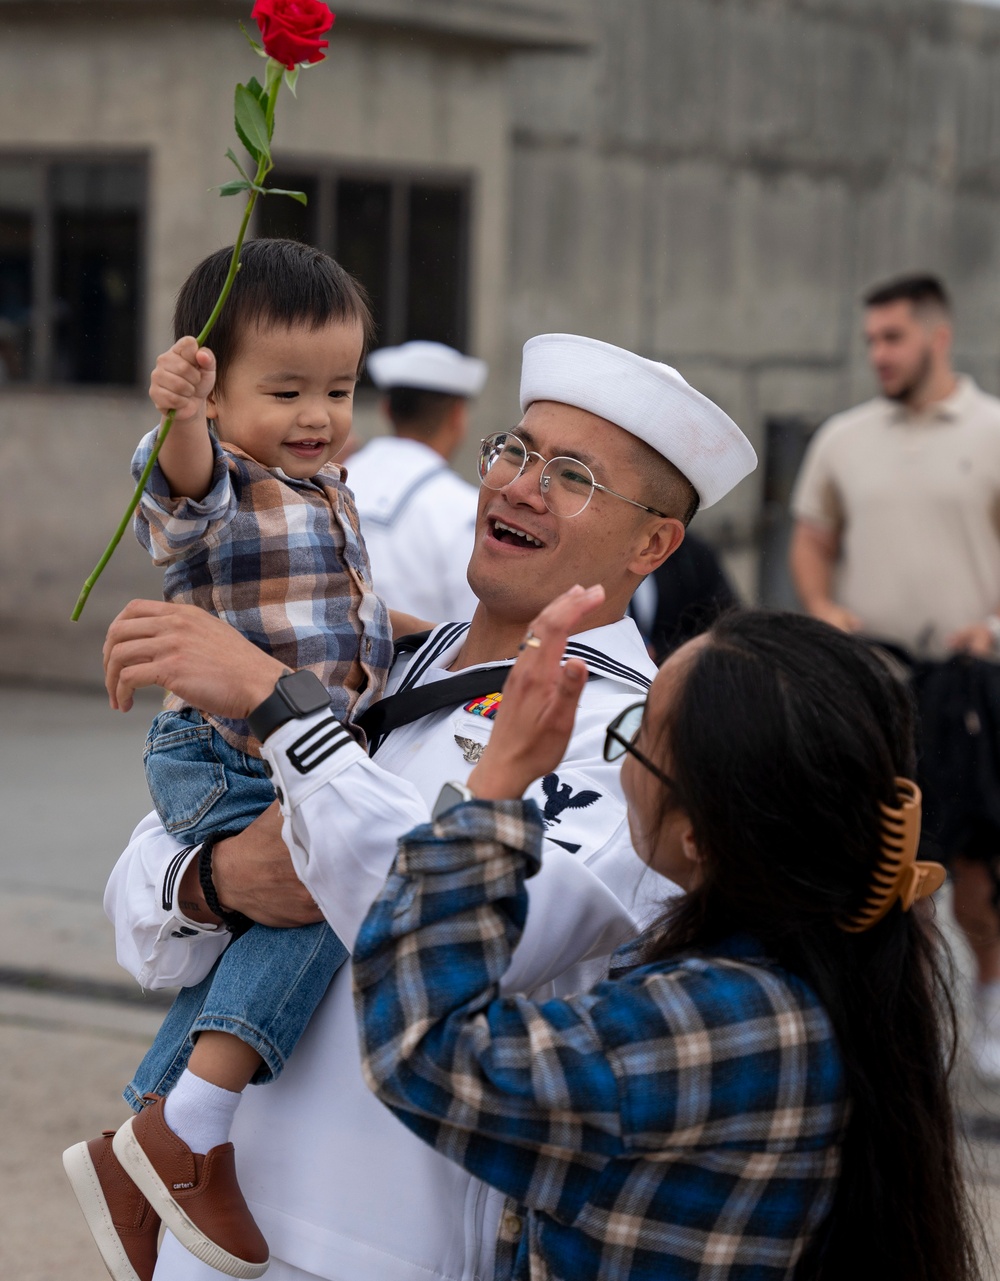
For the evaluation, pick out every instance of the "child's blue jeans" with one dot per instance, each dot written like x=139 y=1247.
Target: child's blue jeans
x=266 y=985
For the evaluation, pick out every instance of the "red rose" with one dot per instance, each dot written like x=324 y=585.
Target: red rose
x=291 y=29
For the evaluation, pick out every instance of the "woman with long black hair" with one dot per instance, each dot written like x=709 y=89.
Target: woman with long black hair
x=760 y=1089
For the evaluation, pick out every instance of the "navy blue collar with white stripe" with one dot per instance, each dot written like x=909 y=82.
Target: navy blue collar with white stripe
x=599 y=662
x=440 y=640
x=447 y=636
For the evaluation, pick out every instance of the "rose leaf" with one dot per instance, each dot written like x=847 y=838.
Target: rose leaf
x=231 y=155
x=233 y=188
x=251 y=124
x=300 y=196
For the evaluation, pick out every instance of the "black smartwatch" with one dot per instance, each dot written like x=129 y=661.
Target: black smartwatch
x=296 y=694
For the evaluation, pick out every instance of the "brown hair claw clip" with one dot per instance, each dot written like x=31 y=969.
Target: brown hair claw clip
x=898 y=874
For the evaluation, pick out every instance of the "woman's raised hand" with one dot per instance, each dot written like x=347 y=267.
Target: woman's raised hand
x=533 y=726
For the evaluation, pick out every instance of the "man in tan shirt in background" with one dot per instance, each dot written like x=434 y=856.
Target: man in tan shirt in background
x=897 y=535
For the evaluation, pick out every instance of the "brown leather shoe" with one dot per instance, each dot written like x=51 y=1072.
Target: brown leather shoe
x=121 y=1220
x=197 y=1196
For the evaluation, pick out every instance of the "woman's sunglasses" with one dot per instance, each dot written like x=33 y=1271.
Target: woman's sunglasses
x=620 y=738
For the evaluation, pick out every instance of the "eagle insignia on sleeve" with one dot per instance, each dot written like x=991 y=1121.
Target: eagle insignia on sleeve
x=560 y=797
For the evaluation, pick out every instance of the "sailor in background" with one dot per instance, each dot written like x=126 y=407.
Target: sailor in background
x=418 y=517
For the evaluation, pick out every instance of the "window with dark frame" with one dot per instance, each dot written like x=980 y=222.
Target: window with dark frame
x=71 y=235
x=787 y=438
x=404 y=236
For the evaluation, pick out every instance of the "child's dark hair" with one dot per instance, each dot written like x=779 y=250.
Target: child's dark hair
x=783 y=740
x=280 y=282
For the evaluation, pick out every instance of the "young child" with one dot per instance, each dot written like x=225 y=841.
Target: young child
x=251 y=520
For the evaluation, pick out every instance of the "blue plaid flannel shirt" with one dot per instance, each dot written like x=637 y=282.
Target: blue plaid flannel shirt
x=684 y=1120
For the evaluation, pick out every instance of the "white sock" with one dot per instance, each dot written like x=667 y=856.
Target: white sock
x=199 y=1112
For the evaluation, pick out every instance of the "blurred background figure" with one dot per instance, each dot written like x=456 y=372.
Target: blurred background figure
x=417 y=515
x=352 y=444
x=897 y=535
x=681 y=598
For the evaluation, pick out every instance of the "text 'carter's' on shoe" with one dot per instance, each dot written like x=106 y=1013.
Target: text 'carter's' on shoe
x=122 y=1222
x=197 y=1197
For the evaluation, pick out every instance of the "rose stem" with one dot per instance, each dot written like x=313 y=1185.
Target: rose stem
x=264 y=167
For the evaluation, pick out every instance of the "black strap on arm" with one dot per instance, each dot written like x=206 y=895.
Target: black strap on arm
x=410 y=705
x=410 y=643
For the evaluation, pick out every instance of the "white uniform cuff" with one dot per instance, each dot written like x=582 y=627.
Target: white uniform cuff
x=177 y=925
x=306 y=753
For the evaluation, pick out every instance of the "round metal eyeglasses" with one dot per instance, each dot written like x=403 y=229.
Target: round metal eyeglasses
x=620 y=738
x=566 y=484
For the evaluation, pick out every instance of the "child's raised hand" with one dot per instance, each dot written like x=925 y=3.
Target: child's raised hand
x=183 y=380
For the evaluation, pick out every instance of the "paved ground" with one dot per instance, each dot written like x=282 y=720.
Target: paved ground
x=71 y=788
x=72 y=1025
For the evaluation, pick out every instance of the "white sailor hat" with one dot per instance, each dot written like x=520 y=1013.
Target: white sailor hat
x=650 y=400
x=431 y=366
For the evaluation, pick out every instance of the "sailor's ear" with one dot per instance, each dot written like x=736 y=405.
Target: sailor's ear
x=658 y=541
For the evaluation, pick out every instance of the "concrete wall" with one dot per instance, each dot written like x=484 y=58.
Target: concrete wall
x=718 y=180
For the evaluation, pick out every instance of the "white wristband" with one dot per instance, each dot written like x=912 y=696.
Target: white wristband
x=993 y=623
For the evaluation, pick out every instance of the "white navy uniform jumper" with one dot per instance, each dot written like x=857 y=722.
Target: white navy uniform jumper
x=339 y=1187
x=418 y=520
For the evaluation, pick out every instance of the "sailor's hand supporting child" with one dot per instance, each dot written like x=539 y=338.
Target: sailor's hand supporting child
x=190 y=652
x=183 y=381
x=253 y=874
